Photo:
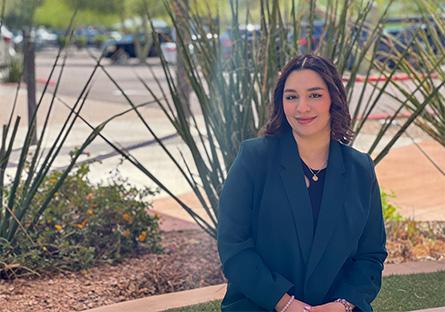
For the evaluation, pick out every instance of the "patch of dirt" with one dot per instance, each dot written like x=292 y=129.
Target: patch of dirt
x=190 y=260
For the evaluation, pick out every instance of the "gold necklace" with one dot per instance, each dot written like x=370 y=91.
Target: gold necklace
x=314 y=175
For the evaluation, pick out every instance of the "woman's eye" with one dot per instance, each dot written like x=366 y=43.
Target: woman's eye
x=315 y=95
x=291 y=97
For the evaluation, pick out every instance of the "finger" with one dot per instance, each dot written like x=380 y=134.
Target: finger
x=318 y=308
x=307 y=308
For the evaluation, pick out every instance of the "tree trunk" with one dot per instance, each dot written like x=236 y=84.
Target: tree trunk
x=30 y=80
x=372 y=19
x=142 y=48
x=181 y=74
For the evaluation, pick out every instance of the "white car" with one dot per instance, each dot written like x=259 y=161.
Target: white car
x=6 y=47
x=169 y=51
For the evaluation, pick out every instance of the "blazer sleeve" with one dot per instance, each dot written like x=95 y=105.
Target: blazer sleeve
x=363 y=276
x=242 y=265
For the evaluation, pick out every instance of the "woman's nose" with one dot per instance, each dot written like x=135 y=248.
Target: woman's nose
x=303 y=105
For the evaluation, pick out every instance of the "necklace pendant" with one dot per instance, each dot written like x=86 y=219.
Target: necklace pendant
x=315 y=178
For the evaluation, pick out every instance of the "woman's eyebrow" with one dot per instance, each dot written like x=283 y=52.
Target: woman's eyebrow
x=308 y=89
x=314 y=88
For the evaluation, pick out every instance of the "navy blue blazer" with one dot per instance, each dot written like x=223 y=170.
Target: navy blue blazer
x=265 y=231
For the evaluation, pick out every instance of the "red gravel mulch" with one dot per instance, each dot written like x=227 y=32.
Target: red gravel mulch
x=190 y=260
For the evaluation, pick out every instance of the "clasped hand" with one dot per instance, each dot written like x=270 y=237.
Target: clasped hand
x=299 y=306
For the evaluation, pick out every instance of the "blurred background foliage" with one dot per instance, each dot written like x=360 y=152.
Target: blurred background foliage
x=57 y=13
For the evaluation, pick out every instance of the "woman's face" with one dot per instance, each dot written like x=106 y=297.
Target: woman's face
x=306 y=103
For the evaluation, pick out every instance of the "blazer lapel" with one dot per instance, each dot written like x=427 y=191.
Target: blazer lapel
x=331 y=206
x=291 y=173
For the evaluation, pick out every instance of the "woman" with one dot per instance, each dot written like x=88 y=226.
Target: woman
x=300 y=218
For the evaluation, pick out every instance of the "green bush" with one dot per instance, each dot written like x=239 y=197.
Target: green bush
x=15 y=70
x=84 y=224
x=99 y=40
x=389 y=210
x=80 y=42
x=62 y=40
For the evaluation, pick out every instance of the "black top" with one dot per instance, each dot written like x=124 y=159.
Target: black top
x=315 y=190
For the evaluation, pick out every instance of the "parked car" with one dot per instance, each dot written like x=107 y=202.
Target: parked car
x=125 y=47
x=7 y=51
x=318 y=28
x=44 y=38
x=91 y=36
x=169 y=49
x=393 y=41
x=249 y=34
x=169 y=52
x=87 y=33
x=41 y=36
x=398 y=38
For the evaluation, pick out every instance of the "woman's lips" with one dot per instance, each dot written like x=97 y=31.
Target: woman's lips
x=305 y=120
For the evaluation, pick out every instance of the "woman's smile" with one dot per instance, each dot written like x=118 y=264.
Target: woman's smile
x=305 y=120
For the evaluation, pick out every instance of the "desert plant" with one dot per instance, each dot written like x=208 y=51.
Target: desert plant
x=29 y=174
x=424 y=66
x=234 y=94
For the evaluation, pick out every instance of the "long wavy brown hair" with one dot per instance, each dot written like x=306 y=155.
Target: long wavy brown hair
x=340 y=117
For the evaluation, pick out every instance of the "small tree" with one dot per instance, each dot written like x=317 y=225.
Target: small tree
x=22 y=16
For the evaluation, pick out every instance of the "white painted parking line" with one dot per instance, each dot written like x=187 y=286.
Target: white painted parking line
x=130 y=92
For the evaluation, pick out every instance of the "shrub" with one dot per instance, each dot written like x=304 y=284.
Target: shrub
x=389 y=210
x=62 y=40
x=14 y=70
x=80 y=42
x=84 y=224
x=99 y=40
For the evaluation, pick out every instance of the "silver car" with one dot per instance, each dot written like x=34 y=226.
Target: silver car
x=6 y=47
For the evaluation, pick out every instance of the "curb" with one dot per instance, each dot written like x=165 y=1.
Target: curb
x=440 y=309
x=44 y=81
x=383 y=116
x=167 y=301
x=38 y=80
x=381 y=78
x=414 y=267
